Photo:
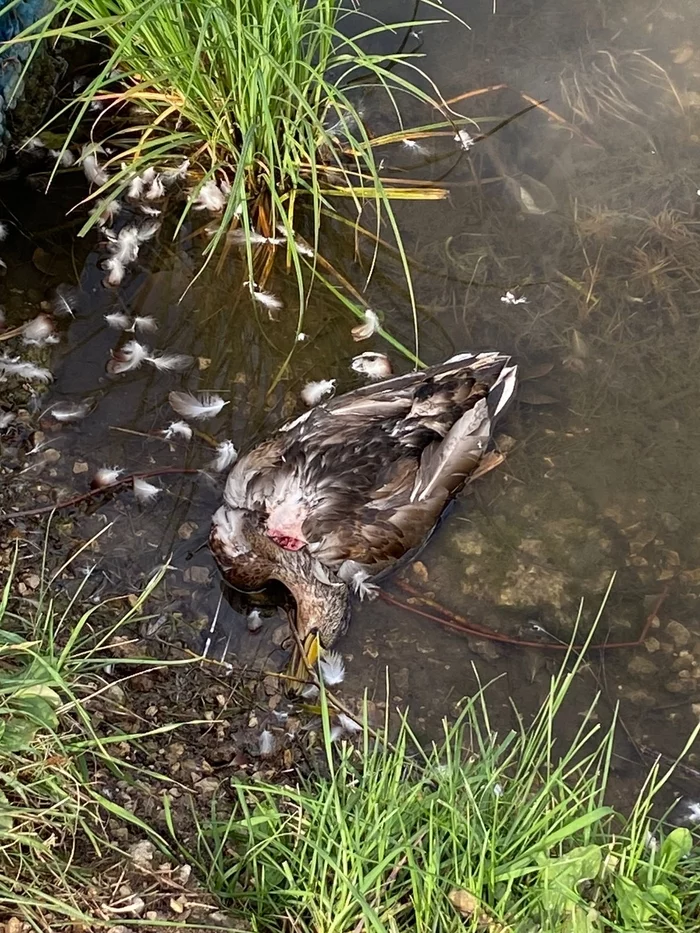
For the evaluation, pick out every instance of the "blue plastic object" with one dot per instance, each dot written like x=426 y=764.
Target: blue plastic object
x=13 y=57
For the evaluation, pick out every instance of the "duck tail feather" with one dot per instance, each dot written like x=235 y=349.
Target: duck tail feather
x=446 y=466
x=501 y=393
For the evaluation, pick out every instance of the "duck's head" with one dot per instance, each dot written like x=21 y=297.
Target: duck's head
x=248 y=557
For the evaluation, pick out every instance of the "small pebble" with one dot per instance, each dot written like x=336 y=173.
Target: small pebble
x=208 y=786
x=420 y=570
x=640 y=698
x=80 y=466
x=641 y=666
x=271 y=685
x=678 y=633
x=196 y=575
x=142 y=853
x=682 y=685
x=50 y=455
x=186 y=530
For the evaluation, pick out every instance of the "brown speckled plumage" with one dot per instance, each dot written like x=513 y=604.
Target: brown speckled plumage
x=362 y=480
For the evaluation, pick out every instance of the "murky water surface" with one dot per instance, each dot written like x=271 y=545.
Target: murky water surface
x=594 y=232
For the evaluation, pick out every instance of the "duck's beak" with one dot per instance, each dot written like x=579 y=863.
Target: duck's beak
x=304 y=658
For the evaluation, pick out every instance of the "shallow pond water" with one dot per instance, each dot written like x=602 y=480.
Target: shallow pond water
x=595 y=233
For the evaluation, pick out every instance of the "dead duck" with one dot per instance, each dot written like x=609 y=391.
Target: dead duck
x=341 y=494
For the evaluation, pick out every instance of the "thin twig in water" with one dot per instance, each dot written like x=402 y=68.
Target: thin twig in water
x=84 y=497
x=459 y=624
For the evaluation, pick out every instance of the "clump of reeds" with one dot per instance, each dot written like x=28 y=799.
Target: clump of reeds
x=263 y=98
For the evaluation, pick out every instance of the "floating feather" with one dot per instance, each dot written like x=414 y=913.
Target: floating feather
x=70 y=411
x=313 y=392
x=348 y=725
x=178 y=429
x=33 y=144
x=413 y=146
x=177 y=174
x=155 y=190
x=14 y=366
x=38 y=328
x=226 y=456
x=150 y=211
x=116 y=270
x=373 y=365
x=145 y=491
x=118 y=320
x=210 y=198
x=269 y=301
x=692 y=811
x=106 y=210
x=369 y=327
x=65 y=159
x=363 y=589
x=146 y=323
x=126 y=248
x=239 y=237
x=301 y=337
x=106 y=476
x=135 y=351
x=128 y=357
x=65 y=301
x=189 y=406
x=171 y=362
x=332 y=668
x=310 y=691
x=3 y=231
x=93 y=172
x=39 y=331
x=147 y=231
x=510 y=299
x=135 y=189
x=6 y=419
x=465 y=140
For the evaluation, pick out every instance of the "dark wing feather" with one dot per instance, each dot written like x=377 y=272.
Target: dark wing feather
x=384 y=500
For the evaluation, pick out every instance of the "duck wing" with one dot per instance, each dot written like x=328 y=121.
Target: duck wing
x=383 y=498
x=372 y=470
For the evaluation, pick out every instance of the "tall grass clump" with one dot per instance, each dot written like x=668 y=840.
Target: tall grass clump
x=263 y=98
x=53 y=812
x=506 y=834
